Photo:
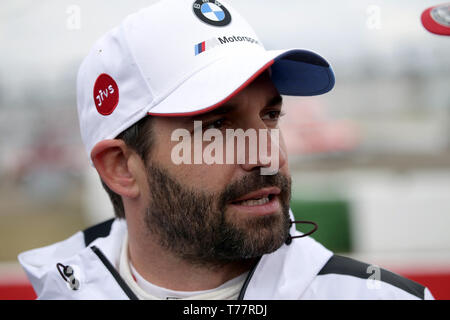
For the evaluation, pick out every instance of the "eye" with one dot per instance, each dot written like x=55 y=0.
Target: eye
x=273 y=115
x=216 y=124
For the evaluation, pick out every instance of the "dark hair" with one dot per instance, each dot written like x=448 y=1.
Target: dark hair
x=139 y=138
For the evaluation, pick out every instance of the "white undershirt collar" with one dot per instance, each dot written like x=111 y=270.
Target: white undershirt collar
x=148 y=291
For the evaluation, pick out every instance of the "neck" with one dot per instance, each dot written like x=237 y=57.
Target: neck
x=162 y=268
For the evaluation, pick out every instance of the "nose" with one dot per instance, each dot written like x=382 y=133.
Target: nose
x=270 y=155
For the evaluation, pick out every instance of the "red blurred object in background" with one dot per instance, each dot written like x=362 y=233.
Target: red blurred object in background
x=437 y=19
x=19 y=291
x=438 y=283
x=309 y=130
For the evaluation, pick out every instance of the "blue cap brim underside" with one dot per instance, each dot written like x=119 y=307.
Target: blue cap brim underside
x=302 y=73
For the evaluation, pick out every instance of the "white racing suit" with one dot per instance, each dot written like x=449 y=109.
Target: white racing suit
x=85 y=265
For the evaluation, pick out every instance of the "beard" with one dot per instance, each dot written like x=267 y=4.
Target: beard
x=194 y=225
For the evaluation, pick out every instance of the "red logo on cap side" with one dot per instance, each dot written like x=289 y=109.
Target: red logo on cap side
x=106 y=94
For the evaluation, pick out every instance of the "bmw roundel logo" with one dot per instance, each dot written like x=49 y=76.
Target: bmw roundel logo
x=212 y=12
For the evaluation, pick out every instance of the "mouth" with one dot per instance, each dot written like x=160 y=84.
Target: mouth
x=261 y=202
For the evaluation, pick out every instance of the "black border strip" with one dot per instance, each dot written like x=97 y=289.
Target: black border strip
x=99 y=230
x=115 y=274
x=351 y=267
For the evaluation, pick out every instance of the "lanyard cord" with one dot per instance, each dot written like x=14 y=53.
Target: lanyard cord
x=289 y=238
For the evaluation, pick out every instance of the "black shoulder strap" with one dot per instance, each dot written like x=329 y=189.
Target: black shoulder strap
x=97 y=231
x=347 y=266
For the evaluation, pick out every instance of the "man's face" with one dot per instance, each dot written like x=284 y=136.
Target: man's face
x=218 y=213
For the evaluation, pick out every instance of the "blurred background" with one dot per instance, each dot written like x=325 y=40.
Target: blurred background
x=370 y=160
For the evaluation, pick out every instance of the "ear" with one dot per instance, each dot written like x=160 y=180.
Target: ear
x=112 y=160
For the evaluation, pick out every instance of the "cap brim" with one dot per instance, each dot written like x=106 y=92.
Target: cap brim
x=432 y=25
x=294 y=72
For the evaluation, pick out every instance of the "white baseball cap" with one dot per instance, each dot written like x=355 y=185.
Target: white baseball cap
x=181 y=58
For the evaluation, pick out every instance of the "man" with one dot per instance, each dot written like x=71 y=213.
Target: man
x=152 y=95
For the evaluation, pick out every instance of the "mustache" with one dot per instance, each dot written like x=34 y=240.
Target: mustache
x=255 y=181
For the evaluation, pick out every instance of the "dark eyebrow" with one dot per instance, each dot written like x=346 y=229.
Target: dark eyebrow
x=226 y=108
x=278 y=99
